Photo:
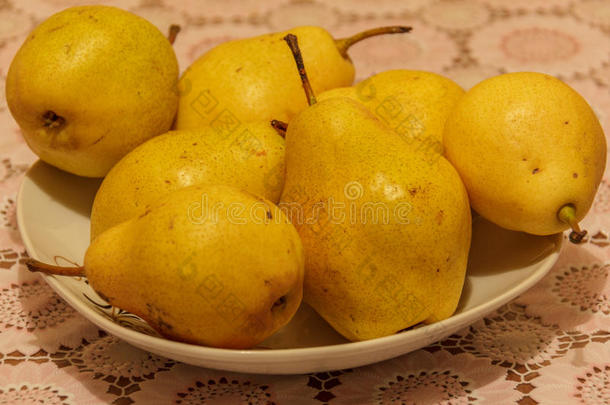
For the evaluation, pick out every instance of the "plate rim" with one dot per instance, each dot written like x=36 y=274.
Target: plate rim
x=275 y=356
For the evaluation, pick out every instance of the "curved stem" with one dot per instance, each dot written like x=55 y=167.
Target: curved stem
x=280 y=127
x=293 y=44
x=567 y=214
x=174 y=29
x=344 y=44
x=35 y=265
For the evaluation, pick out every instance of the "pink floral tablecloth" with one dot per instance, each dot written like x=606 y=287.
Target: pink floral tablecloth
x=549 y=346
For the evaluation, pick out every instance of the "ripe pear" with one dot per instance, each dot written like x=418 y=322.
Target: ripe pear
x=530 y=151
x=209 y=265
x=386 y=231
x=414 y=103
x=252 y=159
x=251 y=79
x=91 y=83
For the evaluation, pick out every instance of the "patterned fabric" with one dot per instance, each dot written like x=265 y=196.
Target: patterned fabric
x=548 y=346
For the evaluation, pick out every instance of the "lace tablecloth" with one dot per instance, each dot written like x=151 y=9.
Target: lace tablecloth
x=548 y=346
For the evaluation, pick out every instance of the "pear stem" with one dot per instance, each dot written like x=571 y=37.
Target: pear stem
x=38 y=266
x=293 y=44
x=567 y=214
x=174 y=29
x=280 y=127
x=344 y=44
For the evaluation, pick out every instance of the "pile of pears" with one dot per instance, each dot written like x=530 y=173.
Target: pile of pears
x=263 y=177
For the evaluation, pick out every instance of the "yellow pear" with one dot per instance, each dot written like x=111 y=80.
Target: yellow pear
x=252 y=160
x=530 y=151
x=386 y=231
x=91 y=83
x=414 y=103
x=251 y=79
x=210 y=265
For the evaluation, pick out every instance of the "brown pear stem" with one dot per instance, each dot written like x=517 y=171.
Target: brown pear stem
x=280 y=127
x=567 y=214
x=35 y=265
x=293 y=44
x=174 y=29
x=344 y=44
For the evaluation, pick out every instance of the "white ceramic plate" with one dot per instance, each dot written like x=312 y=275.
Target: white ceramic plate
x=53 y=215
